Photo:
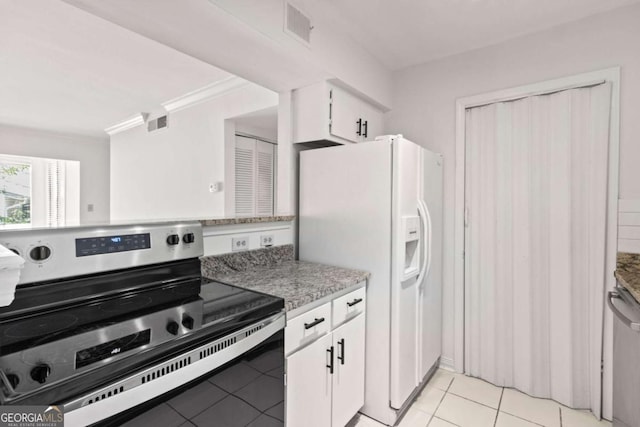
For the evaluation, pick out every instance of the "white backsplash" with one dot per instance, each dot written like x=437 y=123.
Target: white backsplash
x=629 y=226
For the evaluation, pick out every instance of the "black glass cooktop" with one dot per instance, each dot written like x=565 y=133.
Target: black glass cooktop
x=47 y=312
x=52 y=311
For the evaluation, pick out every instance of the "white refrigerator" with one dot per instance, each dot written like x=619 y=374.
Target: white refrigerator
x=377 y=206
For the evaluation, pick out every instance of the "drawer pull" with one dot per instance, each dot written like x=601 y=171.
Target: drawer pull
x=354 y=302
x=314 y=323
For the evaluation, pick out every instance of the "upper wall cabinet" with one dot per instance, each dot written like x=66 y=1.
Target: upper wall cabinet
x=326 y=112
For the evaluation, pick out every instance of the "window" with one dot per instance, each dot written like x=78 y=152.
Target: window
x=38 y=192
x=15 y=193
x=254 y=176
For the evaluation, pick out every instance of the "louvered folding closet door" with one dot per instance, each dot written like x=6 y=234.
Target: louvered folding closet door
x=245 y=166
x=254 y=177
x=264 y=178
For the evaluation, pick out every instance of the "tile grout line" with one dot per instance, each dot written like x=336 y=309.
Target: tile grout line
x=442 y=419
x=560 y=413
x=439 y=403
x=523 y=419
x=499 y=404
x=471 y=400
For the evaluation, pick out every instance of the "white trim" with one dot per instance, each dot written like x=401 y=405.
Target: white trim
x=218 y=230
x=130 y=123
x=205 y=93
x=611 y=75
x=187 y=100
x=447 y=363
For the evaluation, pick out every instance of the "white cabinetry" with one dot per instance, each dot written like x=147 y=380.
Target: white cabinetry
x=309 y=385
x=348 y=375
x=327 y=112
x=325 y=363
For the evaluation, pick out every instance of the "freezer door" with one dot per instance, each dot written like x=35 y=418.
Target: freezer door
x=405 y=302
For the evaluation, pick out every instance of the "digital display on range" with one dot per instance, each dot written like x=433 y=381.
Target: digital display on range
x=94 y=354
x=112 y=244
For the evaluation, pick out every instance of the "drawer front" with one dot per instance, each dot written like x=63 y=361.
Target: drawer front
x=348 y=306
x=306 y=328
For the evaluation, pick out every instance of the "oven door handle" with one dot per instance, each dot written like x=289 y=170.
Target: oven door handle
x=7 y=389
x=634 y=326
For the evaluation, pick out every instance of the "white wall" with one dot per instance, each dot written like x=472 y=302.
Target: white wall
x=425 y=95
x=166 y=173
x=261 y=51
x=91 y=152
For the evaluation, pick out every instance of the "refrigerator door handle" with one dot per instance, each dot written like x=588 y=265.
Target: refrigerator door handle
x=429 y=253
x=425 y=215
x=634 y=326
x=425 y=224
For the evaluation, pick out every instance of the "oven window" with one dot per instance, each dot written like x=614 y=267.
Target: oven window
x=248 y=391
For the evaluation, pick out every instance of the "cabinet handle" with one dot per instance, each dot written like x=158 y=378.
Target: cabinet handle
x=330 y=365
x=354 y=302
x=341 y=357
x=314 y=323
x=365 y=126
x=359 y=131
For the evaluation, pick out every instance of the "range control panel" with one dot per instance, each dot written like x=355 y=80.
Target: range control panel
x=110 y=244
x=57 y=253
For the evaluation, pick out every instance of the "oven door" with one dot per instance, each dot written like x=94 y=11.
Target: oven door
x=237 y=380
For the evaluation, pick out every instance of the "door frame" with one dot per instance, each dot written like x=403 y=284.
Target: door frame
x=611 y=75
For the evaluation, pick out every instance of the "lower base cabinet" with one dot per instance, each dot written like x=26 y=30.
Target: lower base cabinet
x=348 y=374
x=325 y=379
x=309 y=386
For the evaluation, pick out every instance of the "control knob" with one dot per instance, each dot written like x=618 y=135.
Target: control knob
x=173 y=239
x=40 y=253
x=173 y=327
x=189 y=238
x=40 y=373
x=187 y=321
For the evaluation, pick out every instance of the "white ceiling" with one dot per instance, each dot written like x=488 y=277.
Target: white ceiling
x=401 y=33
x=65 y=70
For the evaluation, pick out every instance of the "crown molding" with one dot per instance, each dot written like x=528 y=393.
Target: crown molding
x=130 y=123
x=205 y=93
x=213 y=90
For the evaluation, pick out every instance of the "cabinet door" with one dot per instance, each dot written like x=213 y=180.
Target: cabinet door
x=348 y=378
x=309 y=385
x=346 y=110
x=373 y=120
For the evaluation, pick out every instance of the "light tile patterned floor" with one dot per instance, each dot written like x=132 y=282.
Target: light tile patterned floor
x=457 y=400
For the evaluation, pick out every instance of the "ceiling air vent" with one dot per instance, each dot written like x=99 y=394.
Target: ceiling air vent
x=297 y=24
x=158 y=123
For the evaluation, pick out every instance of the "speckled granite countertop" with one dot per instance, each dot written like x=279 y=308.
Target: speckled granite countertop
x=628 y=273
x=246 y=220
x=300 y=283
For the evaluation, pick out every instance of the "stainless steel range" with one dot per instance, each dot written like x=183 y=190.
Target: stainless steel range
x=113 y=322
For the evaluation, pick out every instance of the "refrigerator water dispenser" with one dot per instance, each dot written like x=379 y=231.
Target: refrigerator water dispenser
x=411 y=233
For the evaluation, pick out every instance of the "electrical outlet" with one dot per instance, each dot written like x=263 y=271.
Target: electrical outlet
x=240 y=243
x=215 y=187
x=267 y=240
